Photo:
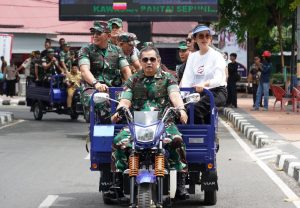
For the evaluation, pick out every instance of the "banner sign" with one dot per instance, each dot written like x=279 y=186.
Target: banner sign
x=6 y=41
x=139 y=10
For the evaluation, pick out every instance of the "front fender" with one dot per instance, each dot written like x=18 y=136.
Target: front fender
x=145 y=176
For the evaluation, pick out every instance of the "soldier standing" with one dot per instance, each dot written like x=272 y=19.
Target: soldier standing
x=65 y=58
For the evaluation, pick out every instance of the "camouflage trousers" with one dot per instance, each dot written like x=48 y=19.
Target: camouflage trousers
x=176 y=149
x=102 y=110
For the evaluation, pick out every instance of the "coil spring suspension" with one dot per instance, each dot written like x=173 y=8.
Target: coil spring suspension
x=159 y=165
x=133 y=165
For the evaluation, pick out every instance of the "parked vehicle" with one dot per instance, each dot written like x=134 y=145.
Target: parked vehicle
x=51 y=97
x=148 y=181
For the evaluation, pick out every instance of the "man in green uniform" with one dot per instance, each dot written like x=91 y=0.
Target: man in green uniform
x=151 y=89
x=65 y=58
x=127 y=42
x=50 y=66
x=102 y=65
x=183 y=53
x=116 y=27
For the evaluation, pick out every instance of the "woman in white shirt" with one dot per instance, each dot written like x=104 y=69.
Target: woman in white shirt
x=205 y=68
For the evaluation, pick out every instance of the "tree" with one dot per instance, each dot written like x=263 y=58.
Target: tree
x=257 y=18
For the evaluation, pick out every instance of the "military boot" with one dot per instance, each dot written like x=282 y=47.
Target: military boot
x=181 y=192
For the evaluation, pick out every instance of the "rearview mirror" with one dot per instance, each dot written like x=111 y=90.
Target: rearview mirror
x=101 y=97
x=193 y=98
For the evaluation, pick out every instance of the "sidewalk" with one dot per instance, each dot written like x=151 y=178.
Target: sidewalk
x=16 y=100
x=270 y=129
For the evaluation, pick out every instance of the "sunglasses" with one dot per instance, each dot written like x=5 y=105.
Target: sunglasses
x=146 y=59
x=188 y=40
x=201 y=36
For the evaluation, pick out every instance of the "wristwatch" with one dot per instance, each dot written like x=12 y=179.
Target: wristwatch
x=94 y=82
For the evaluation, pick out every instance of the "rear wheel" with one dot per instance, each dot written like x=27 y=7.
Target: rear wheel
x=144 y=195
x=74 y=115
x=38 y=111
x=210 y=197
x=86 y=114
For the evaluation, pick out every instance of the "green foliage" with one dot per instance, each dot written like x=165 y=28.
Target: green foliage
x=256 y=17
x=277 y=78
x=294 y=4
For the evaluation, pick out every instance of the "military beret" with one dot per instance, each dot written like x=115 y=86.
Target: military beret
x=182 y=45
x=100 y=27
x=145 y=44
x=66 y=44
x=129 y=38
x=116 y=21
x=50 y=51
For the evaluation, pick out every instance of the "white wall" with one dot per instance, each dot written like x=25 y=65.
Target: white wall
x=25 y=43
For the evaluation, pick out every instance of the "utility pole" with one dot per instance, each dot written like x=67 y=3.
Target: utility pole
x=294 y=23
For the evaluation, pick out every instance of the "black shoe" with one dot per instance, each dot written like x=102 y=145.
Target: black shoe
x=181 y=192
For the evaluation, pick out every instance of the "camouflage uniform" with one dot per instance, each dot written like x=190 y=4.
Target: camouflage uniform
x=105 y=65
x=131 y=39
x=148 y=94
x=181 y=67
x=53 y=69
x=66 y=58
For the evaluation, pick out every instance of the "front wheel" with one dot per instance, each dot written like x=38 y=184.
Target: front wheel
x=210 y=197
x=144 y=195
x=38 y=111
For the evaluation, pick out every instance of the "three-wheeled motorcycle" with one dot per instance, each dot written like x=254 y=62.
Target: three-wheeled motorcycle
x=51 y=96
x=148 y=181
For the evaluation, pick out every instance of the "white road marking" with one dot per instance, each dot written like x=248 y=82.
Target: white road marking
x=263 y=150
x=284 y=188
x=48 y=201
x=87 y=157
x=12 y=124
x=268 y=153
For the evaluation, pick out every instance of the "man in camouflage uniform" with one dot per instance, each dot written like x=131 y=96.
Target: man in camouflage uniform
x=65 y=58
x=183 y=53
x=148 y=90
x=116 y=27
x=127 y=42
x=50 y=66
x=102 y=65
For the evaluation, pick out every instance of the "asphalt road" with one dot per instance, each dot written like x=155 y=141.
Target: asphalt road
x=44 y=162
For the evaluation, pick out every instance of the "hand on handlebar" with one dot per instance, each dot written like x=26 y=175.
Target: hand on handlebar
x=183 y=116
x=115 y=118
x=199 y=87
x=101 y=87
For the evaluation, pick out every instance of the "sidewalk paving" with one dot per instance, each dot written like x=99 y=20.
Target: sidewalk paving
x=16 y=100
x=270 y=129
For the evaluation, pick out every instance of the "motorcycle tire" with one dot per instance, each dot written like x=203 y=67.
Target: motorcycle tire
x=210 y=197
x=144 y=195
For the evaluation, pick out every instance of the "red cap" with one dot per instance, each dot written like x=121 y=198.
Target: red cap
x=266 y=54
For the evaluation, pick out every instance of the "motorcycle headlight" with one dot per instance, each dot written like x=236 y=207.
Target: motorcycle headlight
x=145 y=134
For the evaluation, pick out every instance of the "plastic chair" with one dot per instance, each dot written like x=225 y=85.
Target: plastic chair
x=295 y=97
x=280 y=95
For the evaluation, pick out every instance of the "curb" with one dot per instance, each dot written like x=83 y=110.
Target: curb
x=253 y=134
x=289 y=164
x=12 y=102
x=6 y=117
x=284 y=161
